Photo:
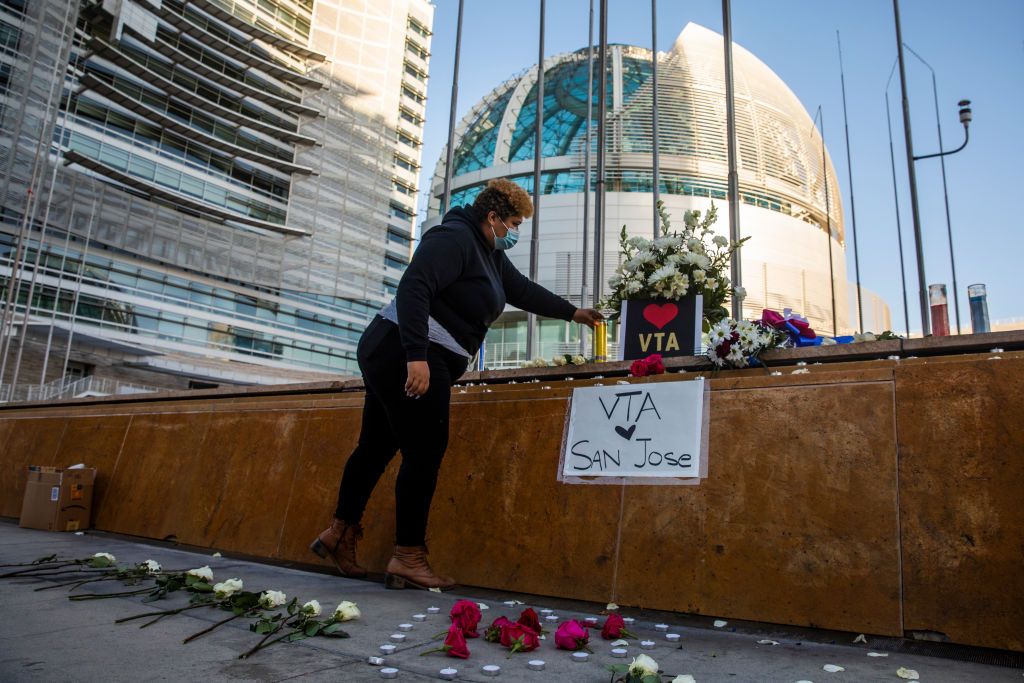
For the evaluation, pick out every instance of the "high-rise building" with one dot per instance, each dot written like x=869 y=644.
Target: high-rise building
x=225 y=190
x=783 y=179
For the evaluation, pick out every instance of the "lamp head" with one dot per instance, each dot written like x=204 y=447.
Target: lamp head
x=965 y=112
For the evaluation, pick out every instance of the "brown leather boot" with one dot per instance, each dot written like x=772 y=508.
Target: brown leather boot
x=338 y=542
x=408 y=568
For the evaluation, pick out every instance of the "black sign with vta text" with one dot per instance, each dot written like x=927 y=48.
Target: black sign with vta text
x=669 y=327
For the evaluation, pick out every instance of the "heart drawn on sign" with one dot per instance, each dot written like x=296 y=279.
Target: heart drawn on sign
x=660 y=315
x=626 y=434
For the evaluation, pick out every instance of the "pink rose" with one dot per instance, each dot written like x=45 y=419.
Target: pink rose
x=572 y=635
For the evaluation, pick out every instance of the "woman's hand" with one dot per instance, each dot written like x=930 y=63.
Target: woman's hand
x=418 y=378
x=587 y=316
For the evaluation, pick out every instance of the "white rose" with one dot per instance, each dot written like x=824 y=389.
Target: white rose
x=105 y=556
x=225 y=589
x=558 y=361
x=152 y=566
x=684 y=678
x=643 y=666
x=741 y=293
x=204 y=573
x=579 y=360
x=346 y=611
x=312 y=608
x=272 y=599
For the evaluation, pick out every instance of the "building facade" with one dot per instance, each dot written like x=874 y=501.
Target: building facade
x=224 y=190
x=791 y=207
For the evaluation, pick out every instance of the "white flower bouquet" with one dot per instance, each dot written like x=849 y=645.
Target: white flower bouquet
x=692 y=261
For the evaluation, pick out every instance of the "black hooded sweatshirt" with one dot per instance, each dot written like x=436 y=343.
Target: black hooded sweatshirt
x=462 y=282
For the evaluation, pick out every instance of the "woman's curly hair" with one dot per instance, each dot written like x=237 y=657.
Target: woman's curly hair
x=505 y=198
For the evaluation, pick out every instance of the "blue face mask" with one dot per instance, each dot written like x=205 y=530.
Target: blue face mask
x=508 y=241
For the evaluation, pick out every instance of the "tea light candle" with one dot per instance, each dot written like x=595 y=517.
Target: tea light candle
x=646 y=644
x=629 y=621
x=672 y=637
x=398 y=637
x=510 y=603
x=419 y=617
x=387 y=649
x=375 y=661
x=448 y=674
x=536 y=664
x=661 y=627
x=491 y=670
x=433 y=610
x=405 y=627
x=619 y=652
x=551 y=617
x=591 y=621
x=547 y=611
x=389 y=672
x=580 y=656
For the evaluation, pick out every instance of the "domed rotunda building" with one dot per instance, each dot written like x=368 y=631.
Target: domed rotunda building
x=782 y=188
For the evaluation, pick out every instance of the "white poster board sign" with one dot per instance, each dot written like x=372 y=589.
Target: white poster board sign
x=652 y=433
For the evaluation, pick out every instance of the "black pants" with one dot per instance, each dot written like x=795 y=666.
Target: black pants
x=393 y=421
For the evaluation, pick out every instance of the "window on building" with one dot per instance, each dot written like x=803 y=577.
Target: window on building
x=77 y=371
x=419 y=28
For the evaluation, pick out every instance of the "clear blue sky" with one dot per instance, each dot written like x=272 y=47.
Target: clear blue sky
x=976 y=49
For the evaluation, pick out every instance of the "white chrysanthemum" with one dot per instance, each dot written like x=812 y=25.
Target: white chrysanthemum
x=312 y=608
x=667 y=241
x=663 y=273
x=225 y=589
x=639 y=242
x=346 y=611
x=720 y=241
x=736 y=357
x=717 y=335
x=694 y=244
x=633 y=286
x=204 y=573
x=272 y=599
x=614 y=281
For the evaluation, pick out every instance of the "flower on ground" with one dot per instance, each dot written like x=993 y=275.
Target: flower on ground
x=615 y=627
x=579 y=360
x=225 y=589
x=571 y=635
x=652 y=365
x=151 y=566
x=454 y=644
x=530 y=620
x=466 y=615
x=643 y=666
x=684 y=678
x=558 y=360
x=346 y=611
x=312 y=609
x=105 y=556
x=519 y=638
x=203 y=573
x=492 y=634
x=272 y=599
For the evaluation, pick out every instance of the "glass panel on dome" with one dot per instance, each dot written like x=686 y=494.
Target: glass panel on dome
x=476 y=149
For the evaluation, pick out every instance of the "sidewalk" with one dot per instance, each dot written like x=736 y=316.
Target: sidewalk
x=44 y=637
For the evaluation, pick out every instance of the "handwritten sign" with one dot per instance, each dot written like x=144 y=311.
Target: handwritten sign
x=643 y=431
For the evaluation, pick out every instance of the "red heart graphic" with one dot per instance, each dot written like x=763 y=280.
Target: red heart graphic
x=660 y=315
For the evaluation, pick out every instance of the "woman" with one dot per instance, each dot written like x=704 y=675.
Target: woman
x=455 y=287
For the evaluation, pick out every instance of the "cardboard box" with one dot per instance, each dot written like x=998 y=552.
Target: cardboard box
x=57 y=499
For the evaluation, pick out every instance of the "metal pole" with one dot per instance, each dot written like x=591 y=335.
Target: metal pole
x=586 y=172
x=922 y=283
x=654 y=113
x=450 y=151
x=538 y=154
x=828 y=221
x=56 y=299
x=78 y=290
x=849 y=172
x=602 y=87
x=899 y=230
x=734 y=182
x=945 y=190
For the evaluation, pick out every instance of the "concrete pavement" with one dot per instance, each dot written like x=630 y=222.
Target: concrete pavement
x=46 y=637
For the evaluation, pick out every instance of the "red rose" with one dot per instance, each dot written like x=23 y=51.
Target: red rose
x=530 y=620
x=614 y=627
x=466 y=615
x=454 y=644
x=652 y=365
x=493 y=632
x=572 y=635
x=519 y=638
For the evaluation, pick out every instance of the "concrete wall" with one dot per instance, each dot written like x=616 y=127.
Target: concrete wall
x=868 y=496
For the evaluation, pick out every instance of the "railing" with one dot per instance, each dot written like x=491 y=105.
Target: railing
x=67 y=387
